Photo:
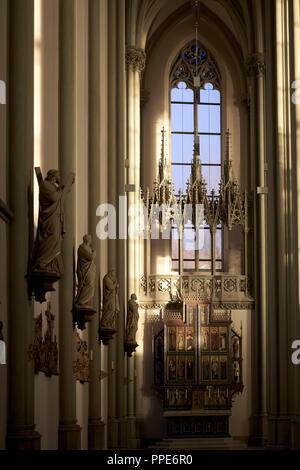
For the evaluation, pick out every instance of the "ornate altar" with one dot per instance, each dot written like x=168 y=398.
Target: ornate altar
x=197 y=369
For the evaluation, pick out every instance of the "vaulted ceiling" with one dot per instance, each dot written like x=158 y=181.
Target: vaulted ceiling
x=241 y=19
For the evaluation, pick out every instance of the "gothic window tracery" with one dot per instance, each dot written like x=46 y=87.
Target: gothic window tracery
x=195 y=112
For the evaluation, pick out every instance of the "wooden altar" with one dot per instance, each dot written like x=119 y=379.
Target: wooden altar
x=197 y=359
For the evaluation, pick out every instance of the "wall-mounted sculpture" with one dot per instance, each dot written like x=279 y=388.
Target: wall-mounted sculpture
x=86 y=274
x=132 y=325
x=2 y=346
x=82 y=362
x=47 y=265
x=44 y=350
x=110 y=307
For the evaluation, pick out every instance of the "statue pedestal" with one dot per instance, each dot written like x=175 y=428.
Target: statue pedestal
x=82 y=315
x=106 y=334
x=39 y=283
x=130 y=348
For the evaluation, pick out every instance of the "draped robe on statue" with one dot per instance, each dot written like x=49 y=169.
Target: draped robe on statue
x=86 y=273
x=110 y=302
x=47 y=250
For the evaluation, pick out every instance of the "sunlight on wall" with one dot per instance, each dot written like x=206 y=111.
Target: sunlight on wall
x=163 y=264
x=37 y=97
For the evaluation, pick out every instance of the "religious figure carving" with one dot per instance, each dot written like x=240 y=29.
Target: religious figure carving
x=132 y=325
x=110 y=300
x=44 y=350
x=110 y=307
x=47 y=265
x=86 y=273
x=235 y=348
x=82 y=363
x=47 y=249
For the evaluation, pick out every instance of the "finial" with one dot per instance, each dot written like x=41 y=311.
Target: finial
x=228 y=146
x=228 y=170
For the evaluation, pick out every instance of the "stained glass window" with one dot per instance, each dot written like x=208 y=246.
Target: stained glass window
x=189 y=106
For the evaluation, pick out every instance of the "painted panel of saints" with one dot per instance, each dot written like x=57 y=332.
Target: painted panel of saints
x=171 y=368
x=190 y=368
x=190 y=339
x=223 y=338
x=214 y=336
x=205 y=339
x=191 y=317
x=180 y=338
x=223 y=367
x=171 y=397
x=172 y=338
x=205 y=368
x=181 y=368
x=214 y=367
x=236 y=372
x=182 y=398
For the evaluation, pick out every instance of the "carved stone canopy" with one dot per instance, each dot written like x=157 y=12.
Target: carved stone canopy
x=135 y=58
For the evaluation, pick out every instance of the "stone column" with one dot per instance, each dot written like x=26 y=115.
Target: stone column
x=69 y=432
x=96 y=434
x=112 y=421
x=21 y=432
x=122 y=274
x=256 y=76
x=295 y=321
x=136 y=60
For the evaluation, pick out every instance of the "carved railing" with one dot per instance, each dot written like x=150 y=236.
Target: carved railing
x=234 y=291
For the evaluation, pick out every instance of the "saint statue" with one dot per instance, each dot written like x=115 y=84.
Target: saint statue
x=86 y=274
x=110 y=300
x=132 y=320
x=47 y=249
x=235 y=348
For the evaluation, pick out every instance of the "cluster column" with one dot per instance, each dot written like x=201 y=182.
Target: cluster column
x=69 y=432
x=96 y=434
x=21 y=432
x=136 y=61
x=255 y=68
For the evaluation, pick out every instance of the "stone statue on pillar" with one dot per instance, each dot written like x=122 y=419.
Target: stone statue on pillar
x=132 y=325
x=86 y=275
x=110 y=306
x=47 y=265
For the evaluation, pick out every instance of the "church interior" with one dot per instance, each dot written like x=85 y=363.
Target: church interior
x=149 y=224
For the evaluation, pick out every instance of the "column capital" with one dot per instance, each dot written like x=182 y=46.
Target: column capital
x=135 y=58
x=255 y=65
